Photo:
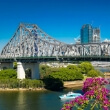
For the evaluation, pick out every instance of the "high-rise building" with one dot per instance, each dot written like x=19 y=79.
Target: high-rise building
x=96 y=35
x=88 y=34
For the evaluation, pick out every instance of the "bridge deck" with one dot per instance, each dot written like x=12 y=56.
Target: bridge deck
x=54 y=58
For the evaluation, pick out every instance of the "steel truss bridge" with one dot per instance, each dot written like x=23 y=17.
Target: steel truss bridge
x=30 y=45
x=29 y=41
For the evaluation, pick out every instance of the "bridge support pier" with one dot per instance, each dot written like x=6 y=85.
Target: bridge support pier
x=21 y=67
x=20 y=71
x=6 y=66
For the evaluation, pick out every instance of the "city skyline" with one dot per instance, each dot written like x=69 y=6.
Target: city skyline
x=61 y=19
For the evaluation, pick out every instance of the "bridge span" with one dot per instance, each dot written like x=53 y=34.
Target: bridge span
x=30 y=45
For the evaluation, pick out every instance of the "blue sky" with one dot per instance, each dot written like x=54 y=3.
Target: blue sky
x=61 y=19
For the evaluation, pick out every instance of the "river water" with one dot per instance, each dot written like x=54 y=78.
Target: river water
x=34 y=100
x=31 y=100
x=103 y=69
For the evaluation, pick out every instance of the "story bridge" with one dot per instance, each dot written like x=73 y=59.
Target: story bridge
x=30 y=45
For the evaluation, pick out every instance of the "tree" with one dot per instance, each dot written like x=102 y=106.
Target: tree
x=67 y=74
x=44 y=70
x=92 y=73
x=15 y=65
x=52 y=83
x=85 y=67
x=74 y=68
x=8 y=73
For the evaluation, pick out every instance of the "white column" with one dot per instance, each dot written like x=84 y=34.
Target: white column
x=20 y=71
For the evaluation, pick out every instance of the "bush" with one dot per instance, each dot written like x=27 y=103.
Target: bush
x=15 y=65
x=52 y=83
x=72 y=72
x=46 y=70
x=67 y=74
x=94 y=73
x=85 y=67
x=8 y=73
x=17 y=83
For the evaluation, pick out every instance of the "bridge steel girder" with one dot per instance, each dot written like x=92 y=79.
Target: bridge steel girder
x=30 y=44
x=30 y=41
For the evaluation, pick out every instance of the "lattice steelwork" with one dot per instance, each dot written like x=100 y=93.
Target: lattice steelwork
x=30 y=41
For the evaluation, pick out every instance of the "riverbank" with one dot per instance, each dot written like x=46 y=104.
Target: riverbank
x=67 y=84
x=22 y=89
x=73 y=84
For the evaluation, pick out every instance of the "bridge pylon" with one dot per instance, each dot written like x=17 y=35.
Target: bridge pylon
x=21 y=67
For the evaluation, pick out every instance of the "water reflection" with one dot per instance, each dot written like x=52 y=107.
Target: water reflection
x=5 y=102
x=32 y=100
x=21 y=101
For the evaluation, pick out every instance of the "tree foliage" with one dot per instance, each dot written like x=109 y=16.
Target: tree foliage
x=68 y=74
x=8 y=73
x=46 y=70
x=92 y=73
x=15 y=65
x=71 y=73
x=52 y=83
x=85 y=67
x=17 y=83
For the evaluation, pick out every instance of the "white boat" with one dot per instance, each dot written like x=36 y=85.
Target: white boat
x=69 y=95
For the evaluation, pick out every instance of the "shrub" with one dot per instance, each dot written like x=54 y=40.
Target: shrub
x=92 y=73
x=8 y=73
x=46 y=70
x=67 y=74
x=85 y=67
x=15 y=65
x=17 y=83
x=52 y=83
